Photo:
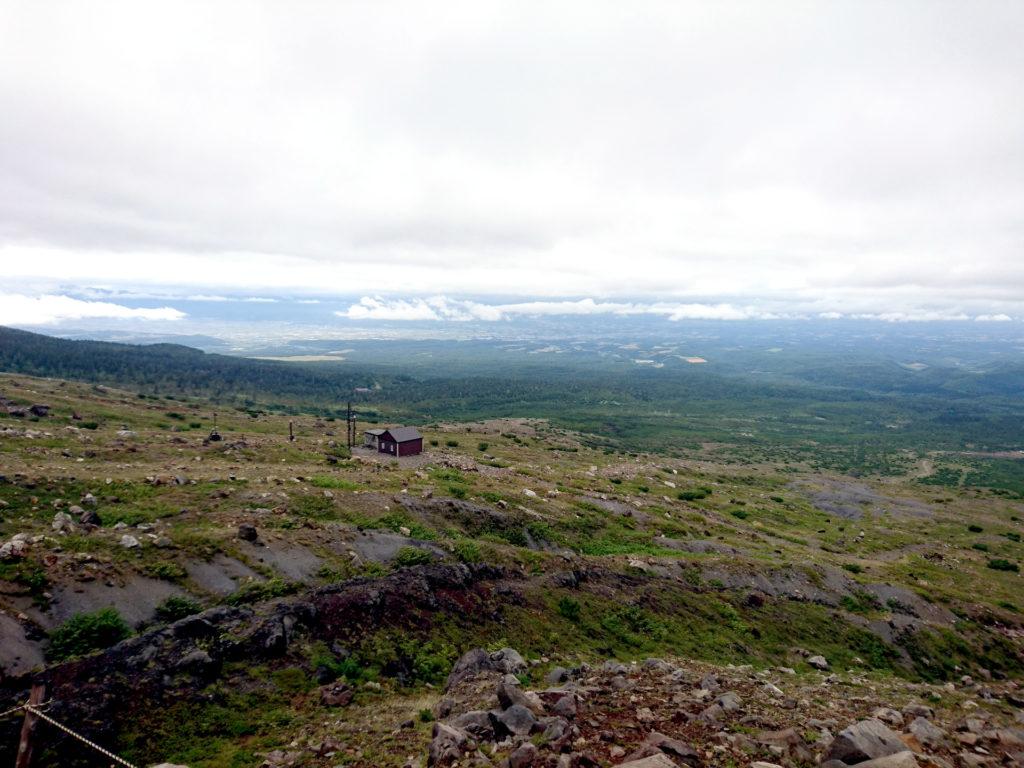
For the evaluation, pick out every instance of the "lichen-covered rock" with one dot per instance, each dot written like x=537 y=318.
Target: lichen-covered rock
x=476 y=661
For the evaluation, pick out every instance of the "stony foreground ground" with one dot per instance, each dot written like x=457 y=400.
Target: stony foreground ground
x=671 y=712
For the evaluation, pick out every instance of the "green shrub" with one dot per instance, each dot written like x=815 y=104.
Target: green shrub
x=165 y=570
x=468 y=551
x=860 y=602
x=426 y=715
x=87 y=632
x=693 y=494
x=434 y=443
x=853 y=567
x=174 y=608
x=633 y=625
x=89 y=425
x=257 y=591
x=1001 y=564
x=409 y=556
x=27 y=574
x=397 y=520
x=981 y=547
x=482 y=446
x=569 y=608
x=452 y=443
x=974 y=528
x=325 y=481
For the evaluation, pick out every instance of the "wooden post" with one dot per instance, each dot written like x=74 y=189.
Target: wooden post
x=291 y=432
x=28 y=727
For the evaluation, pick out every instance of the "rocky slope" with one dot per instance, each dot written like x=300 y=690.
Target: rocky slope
x=669 y=712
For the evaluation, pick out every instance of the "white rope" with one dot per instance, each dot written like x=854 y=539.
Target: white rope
x=38 y=713
x=12 y=711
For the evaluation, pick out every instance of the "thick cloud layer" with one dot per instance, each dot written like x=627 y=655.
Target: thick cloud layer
x=837 y=157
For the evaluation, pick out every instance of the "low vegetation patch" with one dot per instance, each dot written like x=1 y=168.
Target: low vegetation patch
x=257 y=591
x=87 y=632
x=174 y=608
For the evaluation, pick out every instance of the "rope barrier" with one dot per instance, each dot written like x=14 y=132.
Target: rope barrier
x=43 y=716
x=12 y=711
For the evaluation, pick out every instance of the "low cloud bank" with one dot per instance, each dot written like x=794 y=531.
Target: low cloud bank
x=49 y=309
x=442 y=308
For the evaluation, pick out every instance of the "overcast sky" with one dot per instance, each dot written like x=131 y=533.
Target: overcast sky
x=766 y=157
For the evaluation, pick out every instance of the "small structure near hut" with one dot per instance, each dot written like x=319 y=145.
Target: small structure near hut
x=371 y=438
x=396 y=441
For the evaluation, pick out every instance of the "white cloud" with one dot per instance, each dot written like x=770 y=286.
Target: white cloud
x=915 y=316
x=18 y=309
x=219 y=298
x=1000 y=318
x=727 y=159
x=375 y=309
x=444 y=308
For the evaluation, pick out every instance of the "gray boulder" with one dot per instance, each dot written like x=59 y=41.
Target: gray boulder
x=523 y=756
x=730 y=702
x=517 y=720
x=446 y=745
x=918 y=710
x=89 y=517
x=926 y=733
x=476 y=723
x=62 y=523
x=889 y=716
x=659 y=760
x=557 y=676
x=898 y=760
x=337 y=694
x=565 y=707
x=476 y=661
x=510 y=695
x=659 y=744
x=866 y=740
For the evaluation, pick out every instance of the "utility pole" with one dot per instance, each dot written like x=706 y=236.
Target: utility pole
x=350 y=420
